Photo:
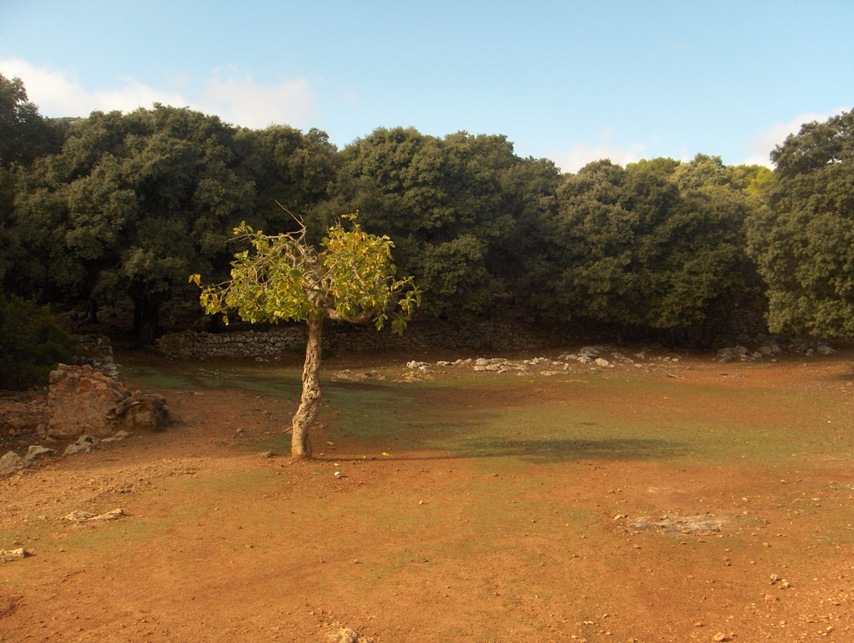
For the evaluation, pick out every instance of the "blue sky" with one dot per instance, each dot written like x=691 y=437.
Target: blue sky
x=570 y=81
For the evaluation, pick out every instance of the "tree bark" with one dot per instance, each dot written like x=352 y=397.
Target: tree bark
x=309 y=406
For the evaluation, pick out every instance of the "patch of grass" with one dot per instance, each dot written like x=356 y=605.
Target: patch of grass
x=147 y=376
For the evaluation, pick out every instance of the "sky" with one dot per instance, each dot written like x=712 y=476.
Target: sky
x=572 y=81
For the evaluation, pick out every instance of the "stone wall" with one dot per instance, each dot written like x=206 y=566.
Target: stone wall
x=482 y=335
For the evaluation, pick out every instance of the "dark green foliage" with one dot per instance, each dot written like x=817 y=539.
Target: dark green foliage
x=635 y=249
x=116 y=209
x=452 y=207
x=803 y=242
x=24 y=134
x=31 y=343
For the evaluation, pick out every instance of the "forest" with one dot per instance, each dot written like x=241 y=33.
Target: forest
x=112 y=213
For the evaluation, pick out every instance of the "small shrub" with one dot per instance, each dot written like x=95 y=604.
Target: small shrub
x=32 y=343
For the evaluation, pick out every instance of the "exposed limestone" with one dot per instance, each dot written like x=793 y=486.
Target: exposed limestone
x=83 y=401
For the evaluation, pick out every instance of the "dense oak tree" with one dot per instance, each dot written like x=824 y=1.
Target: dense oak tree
x=291 y=170
x=115 y=208
x=803 y=242
x=127 y=203
x=635 y=250
x=450 y=204
x=24 y=133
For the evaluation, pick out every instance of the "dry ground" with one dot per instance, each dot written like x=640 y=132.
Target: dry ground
x=693 y=502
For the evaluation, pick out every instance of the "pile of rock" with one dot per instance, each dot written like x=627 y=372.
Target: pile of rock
x=82 y=401
x=750 y=349
x=86 y=408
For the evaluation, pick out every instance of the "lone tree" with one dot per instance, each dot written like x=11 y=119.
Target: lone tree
x=350 y=278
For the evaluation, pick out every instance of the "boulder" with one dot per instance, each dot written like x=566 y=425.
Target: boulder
x=83 y=401
x=10 y=463
x=84 y=444
x=35 y=452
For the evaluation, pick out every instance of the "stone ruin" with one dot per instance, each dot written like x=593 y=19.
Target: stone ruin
x=82 y=408
x=81 y=401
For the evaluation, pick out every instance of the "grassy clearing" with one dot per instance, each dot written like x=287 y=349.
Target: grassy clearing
x=550 y=421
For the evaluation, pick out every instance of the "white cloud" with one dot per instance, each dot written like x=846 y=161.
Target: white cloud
x=581 y=154
x=243 y=102
x=238 y=101
x=58 y=93
x=761 y=145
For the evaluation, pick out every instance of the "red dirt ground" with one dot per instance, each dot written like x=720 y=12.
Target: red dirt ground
x=222 y=542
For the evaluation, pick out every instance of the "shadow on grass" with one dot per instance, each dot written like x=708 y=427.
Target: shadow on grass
x=545 y=451
x=561 y=449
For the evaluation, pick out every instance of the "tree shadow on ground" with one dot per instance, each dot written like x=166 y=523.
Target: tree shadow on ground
x=548 y=450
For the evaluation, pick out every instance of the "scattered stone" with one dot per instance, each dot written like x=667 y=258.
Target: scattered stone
x=10 y=463
x=720 y=636
x=10 y=555
x=679 y=525
x=771 y=347
x=118 y=437
x=79 y=517
x=84 y=444
x=36 y=451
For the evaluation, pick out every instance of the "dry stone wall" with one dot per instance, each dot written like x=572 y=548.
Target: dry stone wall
x=292 y=338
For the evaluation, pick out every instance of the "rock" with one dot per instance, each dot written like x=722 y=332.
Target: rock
x=9 y=555
x=24 y=417
x=36 y=451
x=347 y=635
x=720 y=636
x=824 y=349
x=118 y=437
x=146 y=412
x=84 y=444
x=81 y=400
x=601 y=361
x=79 y=516
x=10 y=463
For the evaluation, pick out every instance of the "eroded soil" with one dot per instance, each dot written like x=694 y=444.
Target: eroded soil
x=696 y=502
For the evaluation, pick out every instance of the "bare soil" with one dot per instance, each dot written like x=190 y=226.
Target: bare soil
x=689 y=501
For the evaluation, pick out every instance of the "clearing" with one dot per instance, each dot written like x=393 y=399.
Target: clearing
x=654 y=501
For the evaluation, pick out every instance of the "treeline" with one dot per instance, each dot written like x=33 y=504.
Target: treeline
x=116 y=210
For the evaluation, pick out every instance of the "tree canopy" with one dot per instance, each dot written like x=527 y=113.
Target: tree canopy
x=110 y=212
x=803 y=241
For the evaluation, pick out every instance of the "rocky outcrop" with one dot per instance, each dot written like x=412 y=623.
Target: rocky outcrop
x=83 y=401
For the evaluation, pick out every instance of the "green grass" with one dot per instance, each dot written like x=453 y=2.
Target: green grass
x=471 y=416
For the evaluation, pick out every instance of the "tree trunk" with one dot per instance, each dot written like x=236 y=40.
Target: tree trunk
x=146 y=316
x=309 y=406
